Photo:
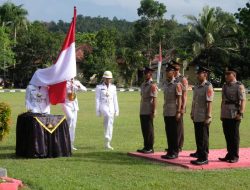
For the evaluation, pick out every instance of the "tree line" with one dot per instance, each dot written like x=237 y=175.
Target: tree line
x=216 y=39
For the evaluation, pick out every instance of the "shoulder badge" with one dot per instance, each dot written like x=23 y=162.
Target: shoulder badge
x=179 y=87
x=242 y=89
x=209 y=91
x=184 y=81
x=153 y=87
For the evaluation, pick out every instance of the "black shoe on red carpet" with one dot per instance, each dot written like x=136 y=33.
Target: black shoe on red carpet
x=234 y=160
x=141 y=150
x=194 y=155
x=225 y=159
x=169 y=156
x=199 y=162
x=145 y=151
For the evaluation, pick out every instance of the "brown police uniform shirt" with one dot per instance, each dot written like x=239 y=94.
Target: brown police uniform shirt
x=202 y=93
x=171 y=91
x=149 y=90
x=232 y=95
x=184 y=82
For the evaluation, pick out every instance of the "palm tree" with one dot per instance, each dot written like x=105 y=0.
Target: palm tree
x=214 y=33
x=14 y=16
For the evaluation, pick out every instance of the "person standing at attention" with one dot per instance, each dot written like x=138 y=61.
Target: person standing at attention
x=184 y=83
x=232 y=108
x=149 y=93
x=172 y=111
x=107 y=106
x=201 y=114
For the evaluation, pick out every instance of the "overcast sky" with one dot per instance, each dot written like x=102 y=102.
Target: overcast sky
x=48 y=10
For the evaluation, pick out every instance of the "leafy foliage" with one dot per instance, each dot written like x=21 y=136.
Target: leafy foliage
x=244 y=18
x=36 y=48
x=6 y=53
x=129 y=60
x=214 y=38
x=5 y=114
x=14 y=16
x=86 y=24
x=103 y=55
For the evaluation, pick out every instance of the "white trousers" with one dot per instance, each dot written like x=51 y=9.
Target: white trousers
x=71 y=120
x=108 y=127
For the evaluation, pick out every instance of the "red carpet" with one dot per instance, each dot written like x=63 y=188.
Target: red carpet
x=184 y=159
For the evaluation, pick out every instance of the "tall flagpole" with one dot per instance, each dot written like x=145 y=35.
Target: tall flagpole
x=159 y=64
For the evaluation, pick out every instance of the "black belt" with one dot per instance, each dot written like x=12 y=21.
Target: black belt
x=230 y=102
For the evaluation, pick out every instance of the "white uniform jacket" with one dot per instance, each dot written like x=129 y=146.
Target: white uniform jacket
x=37 y=99
x=75 y=86
x=106 y=100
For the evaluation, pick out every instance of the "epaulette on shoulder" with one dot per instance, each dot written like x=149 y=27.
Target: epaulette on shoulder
x=176 y=80
x=208 y=83
x=153 y=83
x=239 y=83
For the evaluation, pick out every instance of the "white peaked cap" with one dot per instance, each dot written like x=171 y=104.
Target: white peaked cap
x=107 y=75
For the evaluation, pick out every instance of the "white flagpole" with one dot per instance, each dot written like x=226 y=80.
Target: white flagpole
x=159 y=65
x=159 y=72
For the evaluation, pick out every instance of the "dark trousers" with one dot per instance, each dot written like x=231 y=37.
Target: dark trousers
x=180 y=133
x=147 y=128
x=171 y=128
x=202 y=139
x=232 y=136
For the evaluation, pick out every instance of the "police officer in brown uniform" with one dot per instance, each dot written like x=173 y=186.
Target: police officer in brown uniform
x=172 y=112
x=184 y=83
x=201 y=114
x=232 y=109
x=149 y=93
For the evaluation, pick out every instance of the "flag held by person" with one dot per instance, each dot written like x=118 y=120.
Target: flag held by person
x=62 y=70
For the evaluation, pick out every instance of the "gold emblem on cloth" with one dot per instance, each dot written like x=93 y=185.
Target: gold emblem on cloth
x=71 y=96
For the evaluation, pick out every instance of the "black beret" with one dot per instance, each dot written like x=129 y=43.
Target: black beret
x=173 y=62
x=147 y=69
x=232 y=69
x=170 y=67
x=202 y=69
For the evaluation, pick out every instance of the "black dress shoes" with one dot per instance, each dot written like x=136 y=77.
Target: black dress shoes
x=199 y=162
x=169 y=156
x=234 y=160
x=225 y=159
x=194 y=155
x=141 y=150
x=145 y=151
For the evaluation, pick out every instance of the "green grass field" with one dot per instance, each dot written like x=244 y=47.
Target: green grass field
x=91 y=167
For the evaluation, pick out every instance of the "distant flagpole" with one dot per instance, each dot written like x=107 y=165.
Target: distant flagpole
x=159 y=64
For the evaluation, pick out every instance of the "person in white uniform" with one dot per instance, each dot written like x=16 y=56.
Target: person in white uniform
x=70 y=107
x=107 y=106
x=37 y=99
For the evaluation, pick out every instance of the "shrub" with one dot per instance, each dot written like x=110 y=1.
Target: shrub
x=5 y=113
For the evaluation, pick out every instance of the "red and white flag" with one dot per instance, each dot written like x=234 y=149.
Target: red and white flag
x=159 y=64
x=62 y=70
